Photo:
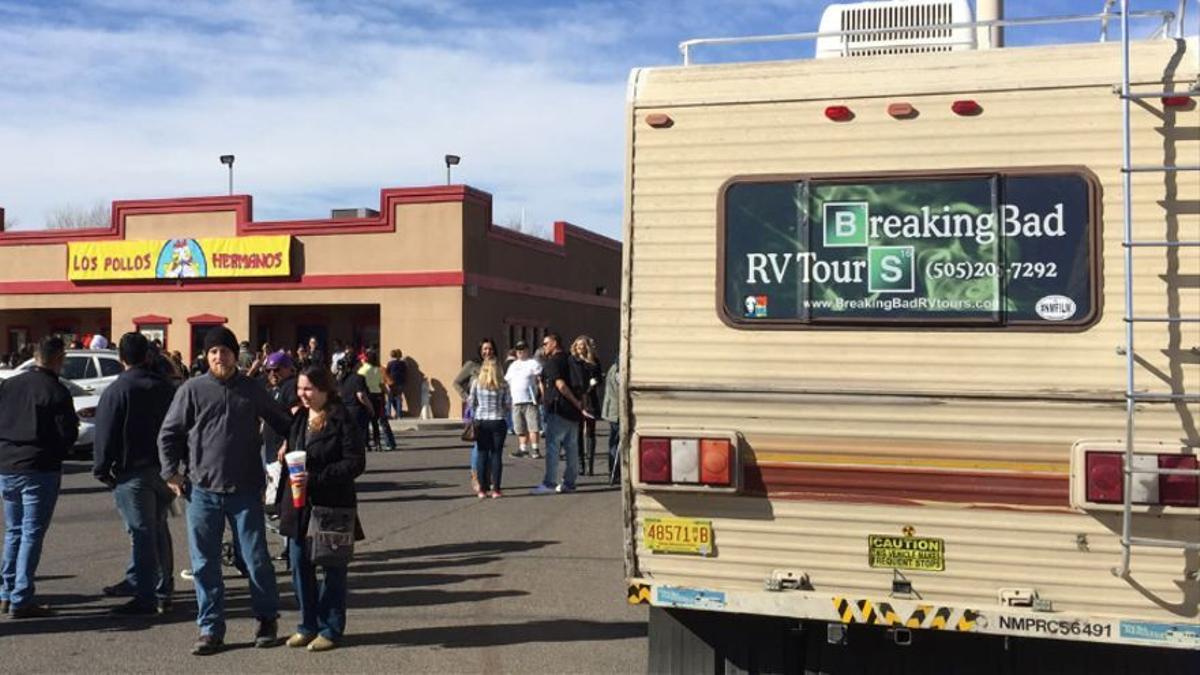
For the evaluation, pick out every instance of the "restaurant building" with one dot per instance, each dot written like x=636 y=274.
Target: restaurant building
x=427 y=272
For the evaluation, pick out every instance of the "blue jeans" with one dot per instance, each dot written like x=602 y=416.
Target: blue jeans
x=322 y=603
x=206 y=516
x=561 y=434
x=143 y=499
x=489 y=455
x=29 y=500
x=395 y=405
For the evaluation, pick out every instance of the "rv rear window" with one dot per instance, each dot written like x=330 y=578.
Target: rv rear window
x=984 y=251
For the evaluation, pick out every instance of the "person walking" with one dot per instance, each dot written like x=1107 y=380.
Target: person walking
x=373 y=375
x=209 y=449
x=462 y=384
x=38 y=426
x=128 y=418
x=490 y=400
x=611 y=412
x=564 y=411
x=352 y=389
x=335 y=456
x=586 y=378
x=397 y=378
x=522 y=378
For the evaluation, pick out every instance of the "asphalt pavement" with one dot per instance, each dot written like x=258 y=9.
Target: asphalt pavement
x=444 y=582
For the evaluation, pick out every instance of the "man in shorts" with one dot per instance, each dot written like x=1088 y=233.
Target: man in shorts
x=522 y=378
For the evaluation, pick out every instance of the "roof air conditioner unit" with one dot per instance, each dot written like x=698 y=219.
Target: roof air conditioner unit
x=906 y=27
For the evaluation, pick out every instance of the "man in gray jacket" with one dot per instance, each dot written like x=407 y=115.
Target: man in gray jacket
x=209 y=447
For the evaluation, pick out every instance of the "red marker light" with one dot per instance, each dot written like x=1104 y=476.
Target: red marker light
x=660 y=120
x=1178 y=490
x=839 y=113
x=966 y=108
x=654 y=456
x=901 y=111
x=1176 y=101
x=1105 y=477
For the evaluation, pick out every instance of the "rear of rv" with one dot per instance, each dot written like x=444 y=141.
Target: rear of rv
x=875 y=376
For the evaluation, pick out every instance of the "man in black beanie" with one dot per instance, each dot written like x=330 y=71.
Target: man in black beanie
x=209 y=447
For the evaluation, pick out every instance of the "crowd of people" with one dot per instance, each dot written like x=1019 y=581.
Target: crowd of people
x=215 y=435
x=551 y=397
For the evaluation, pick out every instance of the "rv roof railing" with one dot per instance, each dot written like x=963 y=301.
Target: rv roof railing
x=1166 y=17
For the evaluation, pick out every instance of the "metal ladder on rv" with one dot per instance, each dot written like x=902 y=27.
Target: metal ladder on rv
x=1131 y=318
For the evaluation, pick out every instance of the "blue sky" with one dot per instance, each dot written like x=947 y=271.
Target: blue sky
x=324 y=103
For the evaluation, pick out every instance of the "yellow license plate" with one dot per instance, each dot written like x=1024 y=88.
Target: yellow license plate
x=678 y=535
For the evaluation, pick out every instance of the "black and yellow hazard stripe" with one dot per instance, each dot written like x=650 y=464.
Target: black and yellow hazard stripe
x=639 y=594
x=884 y=614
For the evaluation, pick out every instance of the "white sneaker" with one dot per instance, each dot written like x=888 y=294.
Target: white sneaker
x=542 y=489
x=563 y=488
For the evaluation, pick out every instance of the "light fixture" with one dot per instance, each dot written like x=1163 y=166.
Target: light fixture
x=227 y=160
x=451 y=160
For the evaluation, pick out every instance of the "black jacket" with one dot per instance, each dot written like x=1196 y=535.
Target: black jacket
x=128 y=419
x=38 y=424
x=336 y=455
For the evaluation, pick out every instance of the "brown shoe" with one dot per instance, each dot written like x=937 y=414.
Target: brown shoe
x=321 y=644
x=31 y=612
x=299 y=640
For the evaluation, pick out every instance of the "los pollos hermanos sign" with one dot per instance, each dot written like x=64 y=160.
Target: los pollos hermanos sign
x=203 y=258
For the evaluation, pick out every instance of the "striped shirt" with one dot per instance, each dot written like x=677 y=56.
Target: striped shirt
x=489 y=404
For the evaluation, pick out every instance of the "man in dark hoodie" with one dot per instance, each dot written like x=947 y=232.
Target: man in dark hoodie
x=128 y=419
x=38 y=426
x=210 y=450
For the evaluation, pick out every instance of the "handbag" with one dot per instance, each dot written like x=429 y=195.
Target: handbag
x=331 y=535
x=470 y=430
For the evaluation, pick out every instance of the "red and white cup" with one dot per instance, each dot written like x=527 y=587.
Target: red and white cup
x=295 y=465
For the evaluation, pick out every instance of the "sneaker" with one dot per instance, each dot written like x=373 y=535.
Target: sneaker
x=517 y=453
x=481 y=494
x=535 y=455
x=267 y=633
x=321 y=644
x=495 y=494
x=121 y=589
x=282 y=555
x=207 y=644
x=299 y=640
x=542 y=489
x=31 y=612
x=186 y=574
x=563 y=488
x=135 y=607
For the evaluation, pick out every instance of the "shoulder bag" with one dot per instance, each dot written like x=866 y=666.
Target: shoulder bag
x=331 y=535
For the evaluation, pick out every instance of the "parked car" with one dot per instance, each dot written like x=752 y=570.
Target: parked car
x=85 y=408
x=91 y=369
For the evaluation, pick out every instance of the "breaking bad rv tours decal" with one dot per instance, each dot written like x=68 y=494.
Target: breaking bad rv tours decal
x=984 y=251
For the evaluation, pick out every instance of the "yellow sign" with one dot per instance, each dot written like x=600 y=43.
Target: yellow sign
x=207 y=258
x=678 y=535
x=906 y=553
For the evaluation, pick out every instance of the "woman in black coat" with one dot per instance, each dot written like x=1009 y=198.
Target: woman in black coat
x=333 y=442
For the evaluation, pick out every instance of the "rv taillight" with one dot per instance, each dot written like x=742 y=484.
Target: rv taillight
x=654 y=460
x=901 y=111
x=685 y=460
x=1178 y=490
x=1176 y=101
x=966 y=107
x=1104 y=477
x=839 y=113
x=715 y=462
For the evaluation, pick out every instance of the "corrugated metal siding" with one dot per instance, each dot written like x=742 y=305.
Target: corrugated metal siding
x=919 y=407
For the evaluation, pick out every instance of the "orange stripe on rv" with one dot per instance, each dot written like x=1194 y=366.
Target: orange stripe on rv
x=909 y=485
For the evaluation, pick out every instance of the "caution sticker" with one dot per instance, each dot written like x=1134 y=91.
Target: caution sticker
x=906 y=553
